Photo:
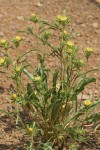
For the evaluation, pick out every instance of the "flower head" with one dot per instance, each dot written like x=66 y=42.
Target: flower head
x=69 y=51
x=65 y=32
x=88 y=52
x=17 y=68
x=30 y=130
x=2 y=41
x=87 y=103
x=18 y=38
x=14 y=96
x=38 y=78
x=2 y=61
x=34 y=17
x=81 y=61
x=61 y=18
x=89 y=49
x=70 y=44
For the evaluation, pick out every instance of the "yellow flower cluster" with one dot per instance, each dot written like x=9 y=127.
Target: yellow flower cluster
x=18 y=68
x=70 y=46
x=69 y=51
x=62 y=18
x=70 y=43
x=81 y=61
x=65 y=32
x=38 y=78
x=89 y=49
x=2 y=61
x=30 y=130
x=33 y=15
x=18 y=38
x=14 y=96
x=87 y=103
x=2 y=41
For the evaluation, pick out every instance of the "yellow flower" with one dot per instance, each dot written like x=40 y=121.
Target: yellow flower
x=70 y=43
x=33 y=14
x=87 y=103
x=89 y=49
x=14 y=96
x=30 y=130
x=34 y=17
x=3 y=41
x=38 y=78
x=18 y=38
x=65 y=32
x=69 y=51
x=81 y=61
x=2 y=61
x=18 y=68
x=61 y=18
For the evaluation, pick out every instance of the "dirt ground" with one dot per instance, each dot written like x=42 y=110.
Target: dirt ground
x=85 y=16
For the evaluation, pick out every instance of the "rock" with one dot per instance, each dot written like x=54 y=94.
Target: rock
x=20 y=18
x=38 y=4
x=1 y=34
x=95 y=25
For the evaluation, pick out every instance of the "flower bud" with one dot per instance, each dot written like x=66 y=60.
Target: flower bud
x=88 y=52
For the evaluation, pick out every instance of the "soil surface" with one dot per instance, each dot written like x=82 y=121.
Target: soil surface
x=85 y=16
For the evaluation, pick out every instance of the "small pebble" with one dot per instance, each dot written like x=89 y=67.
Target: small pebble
x=95 y=25
x=1 y=34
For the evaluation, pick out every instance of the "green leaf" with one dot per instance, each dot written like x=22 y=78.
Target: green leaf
x=82 y=83
x=29 y=75
x=93 y=118
x=30 y=29
x=55 y=77
x=47 y=95
x=55 y=109
x=73 y=147
x=31 y=95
